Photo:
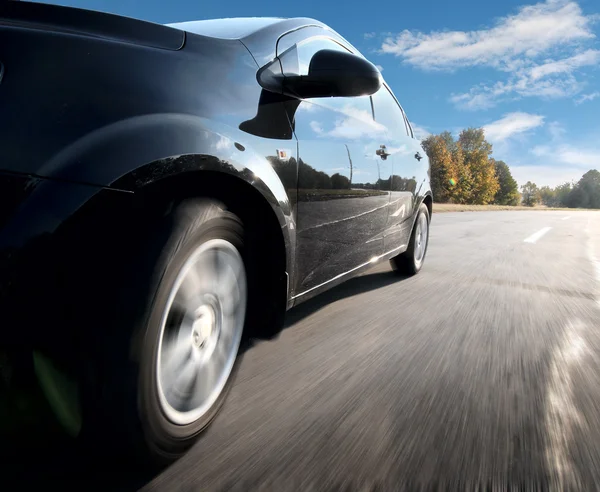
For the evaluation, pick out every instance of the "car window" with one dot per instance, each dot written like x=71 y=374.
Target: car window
x=296 y=59
x=308 y=48
x=389 y=113
x=354 y=114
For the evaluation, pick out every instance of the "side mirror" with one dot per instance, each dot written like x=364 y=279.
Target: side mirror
x=333 y=73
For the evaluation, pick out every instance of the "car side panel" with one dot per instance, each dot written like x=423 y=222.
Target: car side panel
x=341 y=210
x=133 y=115
x=409 y=168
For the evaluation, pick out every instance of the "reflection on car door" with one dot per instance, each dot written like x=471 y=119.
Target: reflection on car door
x=342 y=208
x=407 y=167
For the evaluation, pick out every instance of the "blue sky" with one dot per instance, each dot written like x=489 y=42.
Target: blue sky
x=526 y=72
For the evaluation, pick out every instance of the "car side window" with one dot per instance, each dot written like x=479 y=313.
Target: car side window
x=389 y=113
x=296 y=59
x=308 y=48
x=355 y=115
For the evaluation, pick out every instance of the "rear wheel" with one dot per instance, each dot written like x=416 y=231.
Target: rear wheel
x=167 y=357
x=411 y=261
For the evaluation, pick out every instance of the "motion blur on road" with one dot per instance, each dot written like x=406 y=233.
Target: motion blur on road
x=484 y=369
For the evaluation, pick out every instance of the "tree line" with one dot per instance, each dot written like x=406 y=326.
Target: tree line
x=583 y=194
x=464 y=171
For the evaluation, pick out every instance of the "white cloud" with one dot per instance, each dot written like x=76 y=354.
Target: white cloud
x=370 y=35
x=308 y=107
x=420 y=131
x=223 y=143
x=587 y=97
x=554 y=162
x=566 y=65
x=539 y=47
x=533 y=30
x=352 y=124
x=316 y=127
x=541 y=150
x=569 y=155
x=549 y=80
x=512 y=124
x=379 y=67
x=545 y=175
x=477 y=98
x=556 y=130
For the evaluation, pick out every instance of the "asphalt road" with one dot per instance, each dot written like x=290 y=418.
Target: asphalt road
x=484 y=369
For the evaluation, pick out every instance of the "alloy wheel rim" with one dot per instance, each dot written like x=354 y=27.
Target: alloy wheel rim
x=421 y=235
x=201 y=330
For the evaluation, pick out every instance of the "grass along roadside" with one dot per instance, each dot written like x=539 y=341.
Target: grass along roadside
x=454 y=207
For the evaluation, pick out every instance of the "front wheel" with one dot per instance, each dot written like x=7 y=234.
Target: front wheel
x=411 y=261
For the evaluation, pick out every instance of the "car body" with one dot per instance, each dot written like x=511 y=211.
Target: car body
x=106 y=120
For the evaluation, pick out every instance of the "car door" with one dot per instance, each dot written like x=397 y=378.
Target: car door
x=342 y=207
x=408 y=168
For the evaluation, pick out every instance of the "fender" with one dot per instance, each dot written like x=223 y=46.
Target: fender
x=133 y=153
x=420 y=198
x=105 y=169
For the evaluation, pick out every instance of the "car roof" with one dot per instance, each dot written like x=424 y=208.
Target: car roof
x=239 y=27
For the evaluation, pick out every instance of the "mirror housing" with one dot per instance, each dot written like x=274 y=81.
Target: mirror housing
x=333 y=73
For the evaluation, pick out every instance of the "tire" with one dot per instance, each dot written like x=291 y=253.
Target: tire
x=182 y=302
x=411 y=261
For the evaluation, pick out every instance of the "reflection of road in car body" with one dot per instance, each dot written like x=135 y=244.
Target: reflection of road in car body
x=339 y=221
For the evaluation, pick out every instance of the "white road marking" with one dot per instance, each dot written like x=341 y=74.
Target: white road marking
x=534 y=237
x=594 y=260
x=351 y=217
x=561 y=414
x=566 y=217
x=401 y=210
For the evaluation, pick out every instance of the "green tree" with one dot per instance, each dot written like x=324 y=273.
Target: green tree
x=339 y=182
x=562 y=193
x=548 y=196
x=477 y=151
x=508 y=192
x=586 y=193
x=531 y=194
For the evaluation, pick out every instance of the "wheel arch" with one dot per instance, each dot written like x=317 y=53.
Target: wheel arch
x=133 y=153
x=269 y=256
x=428 y=201
x=176 y=154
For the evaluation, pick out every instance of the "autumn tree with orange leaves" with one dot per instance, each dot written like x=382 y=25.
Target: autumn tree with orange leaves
x=477 y=153
x=444 y=171
x=462 y=170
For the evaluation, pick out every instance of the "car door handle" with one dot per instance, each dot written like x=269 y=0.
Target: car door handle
x=418 y=156
x=382 y=152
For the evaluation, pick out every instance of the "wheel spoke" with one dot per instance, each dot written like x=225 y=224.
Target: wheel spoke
x=230 y=292
x=223 y=348
x=174 y=356
x=186 y=377
x=180 y=386
x=225 y=274
x=205 y=382
x=421 y=233
x=191 y=287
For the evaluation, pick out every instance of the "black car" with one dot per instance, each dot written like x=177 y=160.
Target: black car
x=167 y=193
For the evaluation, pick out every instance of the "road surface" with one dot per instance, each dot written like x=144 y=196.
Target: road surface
x=484 y=369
